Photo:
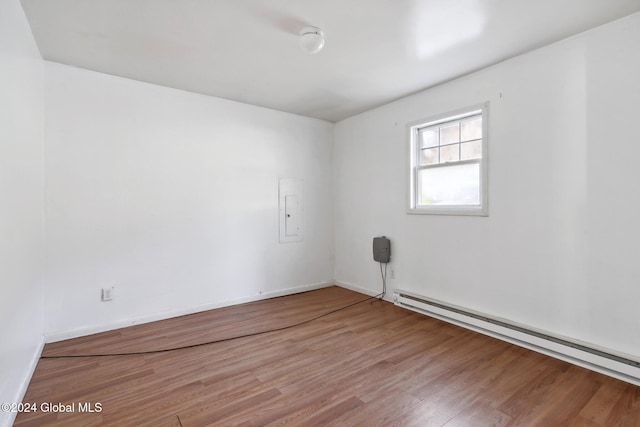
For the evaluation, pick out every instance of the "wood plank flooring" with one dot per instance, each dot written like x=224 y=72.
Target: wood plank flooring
x=371 y=364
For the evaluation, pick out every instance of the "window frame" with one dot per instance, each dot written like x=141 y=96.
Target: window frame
x=414 y=167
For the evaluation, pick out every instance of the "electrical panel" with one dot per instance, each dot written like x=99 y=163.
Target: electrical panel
x=291 y=216
x=291 y=210
x=381 y=249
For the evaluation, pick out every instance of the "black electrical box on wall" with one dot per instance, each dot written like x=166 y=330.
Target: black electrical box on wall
x=381 y=249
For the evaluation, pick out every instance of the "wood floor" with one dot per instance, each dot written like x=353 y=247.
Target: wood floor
x=371 y=364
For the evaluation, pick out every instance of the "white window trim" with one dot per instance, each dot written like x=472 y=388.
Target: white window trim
x=483 y=209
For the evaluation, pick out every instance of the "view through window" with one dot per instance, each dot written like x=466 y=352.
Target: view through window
x=448 y=164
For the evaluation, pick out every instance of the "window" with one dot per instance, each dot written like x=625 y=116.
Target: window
x=448 y=164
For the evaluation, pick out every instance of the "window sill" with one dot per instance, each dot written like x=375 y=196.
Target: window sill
x=450 y=210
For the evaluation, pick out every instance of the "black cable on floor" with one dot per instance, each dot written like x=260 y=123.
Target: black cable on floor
x=253 y=334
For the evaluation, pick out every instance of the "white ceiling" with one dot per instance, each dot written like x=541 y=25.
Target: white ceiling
x=246 y=50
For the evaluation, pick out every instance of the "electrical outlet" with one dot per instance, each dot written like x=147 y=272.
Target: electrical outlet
x=107 y=294
x=393 y=273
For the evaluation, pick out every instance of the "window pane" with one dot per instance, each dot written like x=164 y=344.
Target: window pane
x=471 y=150
x=450 y=134
x=471 y=129
x=429 y=156
x=450 y=185
x=428 y=138
x=450 y=153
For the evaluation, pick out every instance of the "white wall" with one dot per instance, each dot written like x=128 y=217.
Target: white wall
x=21 y=195
x=172 y=197
x=559 y=248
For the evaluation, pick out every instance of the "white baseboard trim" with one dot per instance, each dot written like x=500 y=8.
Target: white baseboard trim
x=360 y=289
x=24 y=385
x=94 y=329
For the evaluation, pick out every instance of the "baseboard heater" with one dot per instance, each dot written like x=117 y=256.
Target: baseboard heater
x=608 y=362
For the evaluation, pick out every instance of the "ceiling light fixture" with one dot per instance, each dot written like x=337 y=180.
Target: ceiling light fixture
x=311 y=39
